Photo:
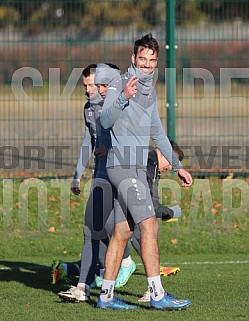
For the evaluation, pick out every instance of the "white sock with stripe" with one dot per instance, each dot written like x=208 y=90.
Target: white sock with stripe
x=107 y=290
x=156 y=288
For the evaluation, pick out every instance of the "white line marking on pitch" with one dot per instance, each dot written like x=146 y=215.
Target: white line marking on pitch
x=162 y=263
x=201 y=263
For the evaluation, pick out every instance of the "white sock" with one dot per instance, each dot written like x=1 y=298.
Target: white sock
x=127 y=262
x=84 y=287
x=156 y=288
x=107 y=290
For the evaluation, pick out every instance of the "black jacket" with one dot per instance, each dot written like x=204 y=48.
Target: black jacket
x=153 y=176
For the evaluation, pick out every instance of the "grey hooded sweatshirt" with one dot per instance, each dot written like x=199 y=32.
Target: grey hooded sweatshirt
x=133 y=122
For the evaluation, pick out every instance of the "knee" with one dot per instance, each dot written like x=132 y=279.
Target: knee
x=149 y=227
x=87 y=233
x=91 y=234
x=122 y=232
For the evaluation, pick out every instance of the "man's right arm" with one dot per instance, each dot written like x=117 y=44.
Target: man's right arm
x=118 y=95
x=85 y=154
x=86 y=151
x=115 y=102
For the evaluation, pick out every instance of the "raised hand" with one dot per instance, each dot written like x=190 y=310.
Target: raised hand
x=130 y=89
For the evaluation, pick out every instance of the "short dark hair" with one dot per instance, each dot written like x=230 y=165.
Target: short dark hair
x=112 y=66
x=146 y=41
x=177 y=150
x=89 y=70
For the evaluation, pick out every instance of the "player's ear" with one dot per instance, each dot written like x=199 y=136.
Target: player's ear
x=133 y=58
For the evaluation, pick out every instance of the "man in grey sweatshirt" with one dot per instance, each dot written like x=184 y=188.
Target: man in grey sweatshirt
x=131 y=111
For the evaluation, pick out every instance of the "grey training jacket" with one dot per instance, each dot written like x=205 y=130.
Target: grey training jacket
x=132 y=124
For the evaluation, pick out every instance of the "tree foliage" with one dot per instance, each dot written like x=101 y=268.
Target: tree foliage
x=143 y=13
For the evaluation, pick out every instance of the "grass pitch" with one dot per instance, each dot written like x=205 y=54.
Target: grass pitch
x=210 y=248
x=219 y=290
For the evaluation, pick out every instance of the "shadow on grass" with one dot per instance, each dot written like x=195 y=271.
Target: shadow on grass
x=37 y=276
x=30 y=274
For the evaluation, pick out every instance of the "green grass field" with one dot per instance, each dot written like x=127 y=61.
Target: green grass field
x=210 y=249
x=219 y=291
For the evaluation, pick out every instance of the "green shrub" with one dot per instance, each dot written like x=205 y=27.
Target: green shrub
x=8 y=16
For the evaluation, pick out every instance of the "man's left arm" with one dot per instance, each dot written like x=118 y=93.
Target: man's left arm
x=162 y=142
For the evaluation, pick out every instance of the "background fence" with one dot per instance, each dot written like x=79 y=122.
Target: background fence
x=44 y=45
